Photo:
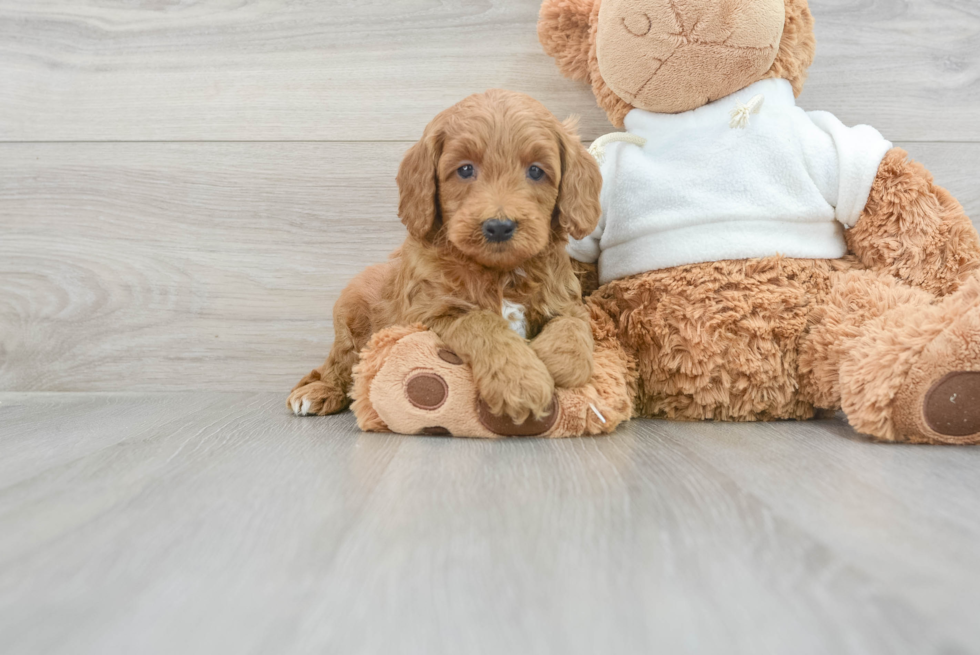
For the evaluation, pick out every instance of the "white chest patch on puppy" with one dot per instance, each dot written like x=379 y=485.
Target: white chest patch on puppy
x=513 y=313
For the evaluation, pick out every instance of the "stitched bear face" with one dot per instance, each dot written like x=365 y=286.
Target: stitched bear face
x=671 y=56
x=675 y=55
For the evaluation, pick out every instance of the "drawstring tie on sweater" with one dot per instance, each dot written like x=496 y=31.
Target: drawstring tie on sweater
x=598 y=147
x=739 y=120
x=740 y=115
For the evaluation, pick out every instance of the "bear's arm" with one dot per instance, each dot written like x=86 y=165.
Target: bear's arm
x=914 y=230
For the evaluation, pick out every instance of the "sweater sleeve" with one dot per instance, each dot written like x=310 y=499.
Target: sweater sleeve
x=859 y=151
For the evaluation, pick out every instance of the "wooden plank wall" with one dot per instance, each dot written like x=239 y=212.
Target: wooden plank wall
x=185 y=187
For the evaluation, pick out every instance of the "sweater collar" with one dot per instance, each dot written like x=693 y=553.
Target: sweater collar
x=777 y=92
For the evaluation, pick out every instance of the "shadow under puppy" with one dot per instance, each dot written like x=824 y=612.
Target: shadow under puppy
x=489 y=195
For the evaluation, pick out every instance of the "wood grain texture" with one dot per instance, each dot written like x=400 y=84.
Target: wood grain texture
x=206 y=266
x=218 y=523
x=339 y=70
x=175 y=266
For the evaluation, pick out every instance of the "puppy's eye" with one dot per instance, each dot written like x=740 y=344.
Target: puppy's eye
x=535 y=173
x=466 y=171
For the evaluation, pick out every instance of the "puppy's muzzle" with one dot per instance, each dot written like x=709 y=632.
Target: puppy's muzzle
x=498 y=230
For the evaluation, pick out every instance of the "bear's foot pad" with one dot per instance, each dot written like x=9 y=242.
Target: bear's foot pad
x=952 y=405
x=505 y=427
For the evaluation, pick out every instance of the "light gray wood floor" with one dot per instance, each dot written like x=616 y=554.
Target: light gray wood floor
x=218 y=523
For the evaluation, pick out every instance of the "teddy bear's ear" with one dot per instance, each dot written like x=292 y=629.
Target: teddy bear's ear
x=797 y=47
x=563 y=29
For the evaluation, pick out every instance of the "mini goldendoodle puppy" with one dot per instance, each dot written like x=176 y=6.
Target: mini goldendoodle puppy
x=489 y=195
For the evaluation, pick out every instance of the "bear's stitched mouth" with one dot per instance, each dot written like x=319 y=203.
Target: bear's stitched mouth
x=656 y=70
x=686 y=41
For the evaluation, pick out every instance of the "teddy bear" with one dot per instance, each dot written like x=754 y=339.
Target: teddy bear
x=754 y=261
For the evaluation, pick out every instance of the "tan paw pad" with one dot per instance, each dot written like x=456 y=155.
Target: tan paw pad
x=426 y=391
x=505 y=426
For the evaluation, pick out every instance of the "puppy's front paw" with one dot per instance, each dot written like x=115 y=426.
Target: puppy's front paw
x=518 y=390
x=317 y=399
x=568 y=358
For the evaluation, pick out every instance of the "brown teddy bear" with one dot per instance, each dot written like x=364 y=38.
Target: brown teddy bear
x=756 y=261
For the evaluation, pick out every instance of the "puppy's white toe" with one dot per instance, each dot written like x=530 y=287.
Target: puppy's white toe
x=295 y=405
x=305 y=409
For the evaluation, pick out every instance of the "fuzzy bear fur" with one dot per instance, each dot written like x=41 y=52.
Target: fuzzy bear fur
x=778 y=338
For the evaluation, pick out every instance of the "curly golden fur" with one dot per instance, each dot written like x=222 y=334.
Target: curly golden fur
x=451 y=278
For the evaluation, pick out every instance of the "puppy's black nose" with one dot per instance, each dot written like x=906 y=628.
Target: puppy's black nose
x=498 y=231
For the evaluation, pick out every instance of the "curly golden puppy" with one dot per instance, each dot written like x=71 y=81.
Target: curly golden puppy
x=489 y=195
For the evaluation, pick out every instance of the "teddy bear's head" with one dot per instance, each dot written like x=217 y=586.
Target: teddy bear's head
x=670 y=56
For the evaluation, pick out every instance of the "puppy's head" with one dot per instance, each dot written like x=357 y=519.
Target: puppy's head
x=499 y=178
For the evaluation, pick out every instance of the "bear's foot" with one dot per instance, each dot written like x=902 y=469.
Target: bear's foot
x=408 y=381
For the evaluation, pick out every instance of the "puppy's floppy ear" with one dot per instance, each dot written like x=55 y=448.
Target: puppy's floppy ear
x=578 y=206
x=418 y=188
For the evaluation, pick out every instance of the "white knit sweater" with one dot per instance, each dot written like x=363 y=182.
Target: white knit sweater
x=701 y=190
